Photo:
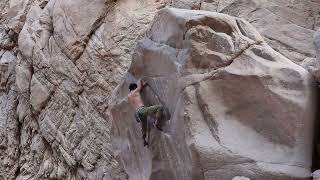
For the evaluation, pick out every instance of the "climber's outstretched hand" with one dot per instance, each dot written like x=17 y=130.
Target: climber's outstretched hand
x=143 y=82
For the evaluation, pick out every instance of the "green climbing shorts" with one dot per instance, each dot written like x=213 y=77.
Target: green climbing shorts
x=142 y=114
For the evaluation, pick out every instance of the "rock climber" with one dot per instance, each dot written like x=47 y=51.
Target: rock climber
x=142 y=112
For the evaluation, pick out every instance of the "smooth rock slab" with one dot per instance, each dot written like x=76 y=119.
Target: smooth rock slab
x=238 y=108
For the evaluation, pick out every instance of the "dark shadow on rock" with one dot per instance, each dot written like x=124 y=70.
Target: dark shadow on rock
x=316 y=140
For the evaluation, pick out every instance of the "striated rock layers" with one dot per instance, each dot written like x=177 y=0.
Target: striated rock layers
x=59 y=63
x=238 y=108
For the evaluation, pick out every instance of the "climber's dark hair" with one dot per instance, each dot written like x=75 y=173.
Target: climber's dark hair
x=133 y=86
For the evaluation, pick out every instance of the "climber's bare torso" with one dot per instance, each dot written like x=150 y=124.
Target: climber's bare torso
x=135 y=99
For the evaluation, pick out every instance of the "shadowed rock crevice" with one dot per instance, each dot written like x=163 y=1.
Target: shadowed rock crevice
x=209 y=118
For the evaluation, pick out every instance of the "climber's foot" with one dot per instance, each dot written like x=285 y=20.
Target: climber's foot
x=159 y=128
x=145 y=143
x=156 y=125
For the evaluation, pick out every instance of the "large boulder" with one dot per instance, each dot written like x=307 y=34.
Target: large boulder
x=238 y=108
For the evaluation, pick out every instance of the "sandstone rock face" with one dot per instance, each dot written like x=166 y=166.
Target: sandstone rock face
x=238 y=108
x=59 y=65
x=313 y=64
x=287 y=26
x=61 y=61
x=240 y=178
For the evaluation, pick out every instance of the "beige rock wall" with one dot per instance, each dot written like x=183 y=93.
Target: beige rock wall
x=61 y=61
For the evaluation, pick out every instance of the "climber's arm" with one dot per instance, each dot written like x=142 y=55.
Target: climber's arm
x=141 y=84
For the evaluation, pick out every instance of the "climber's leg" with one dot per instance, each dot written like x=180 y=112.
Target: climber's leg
x=156 y=110
x=144 y=130
x=143 y=120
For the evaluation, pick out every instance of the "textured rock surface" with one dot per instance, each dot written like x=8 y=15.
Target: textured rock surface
x=287 y=25
x=313 y=64
x=316 y=175
x=240 y=178
x=59 y=65
x=238 y=107
x=60 y=62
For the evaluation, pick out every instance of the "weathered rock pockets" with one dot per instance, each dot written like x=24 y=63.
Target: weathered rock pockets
x=237 y=106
